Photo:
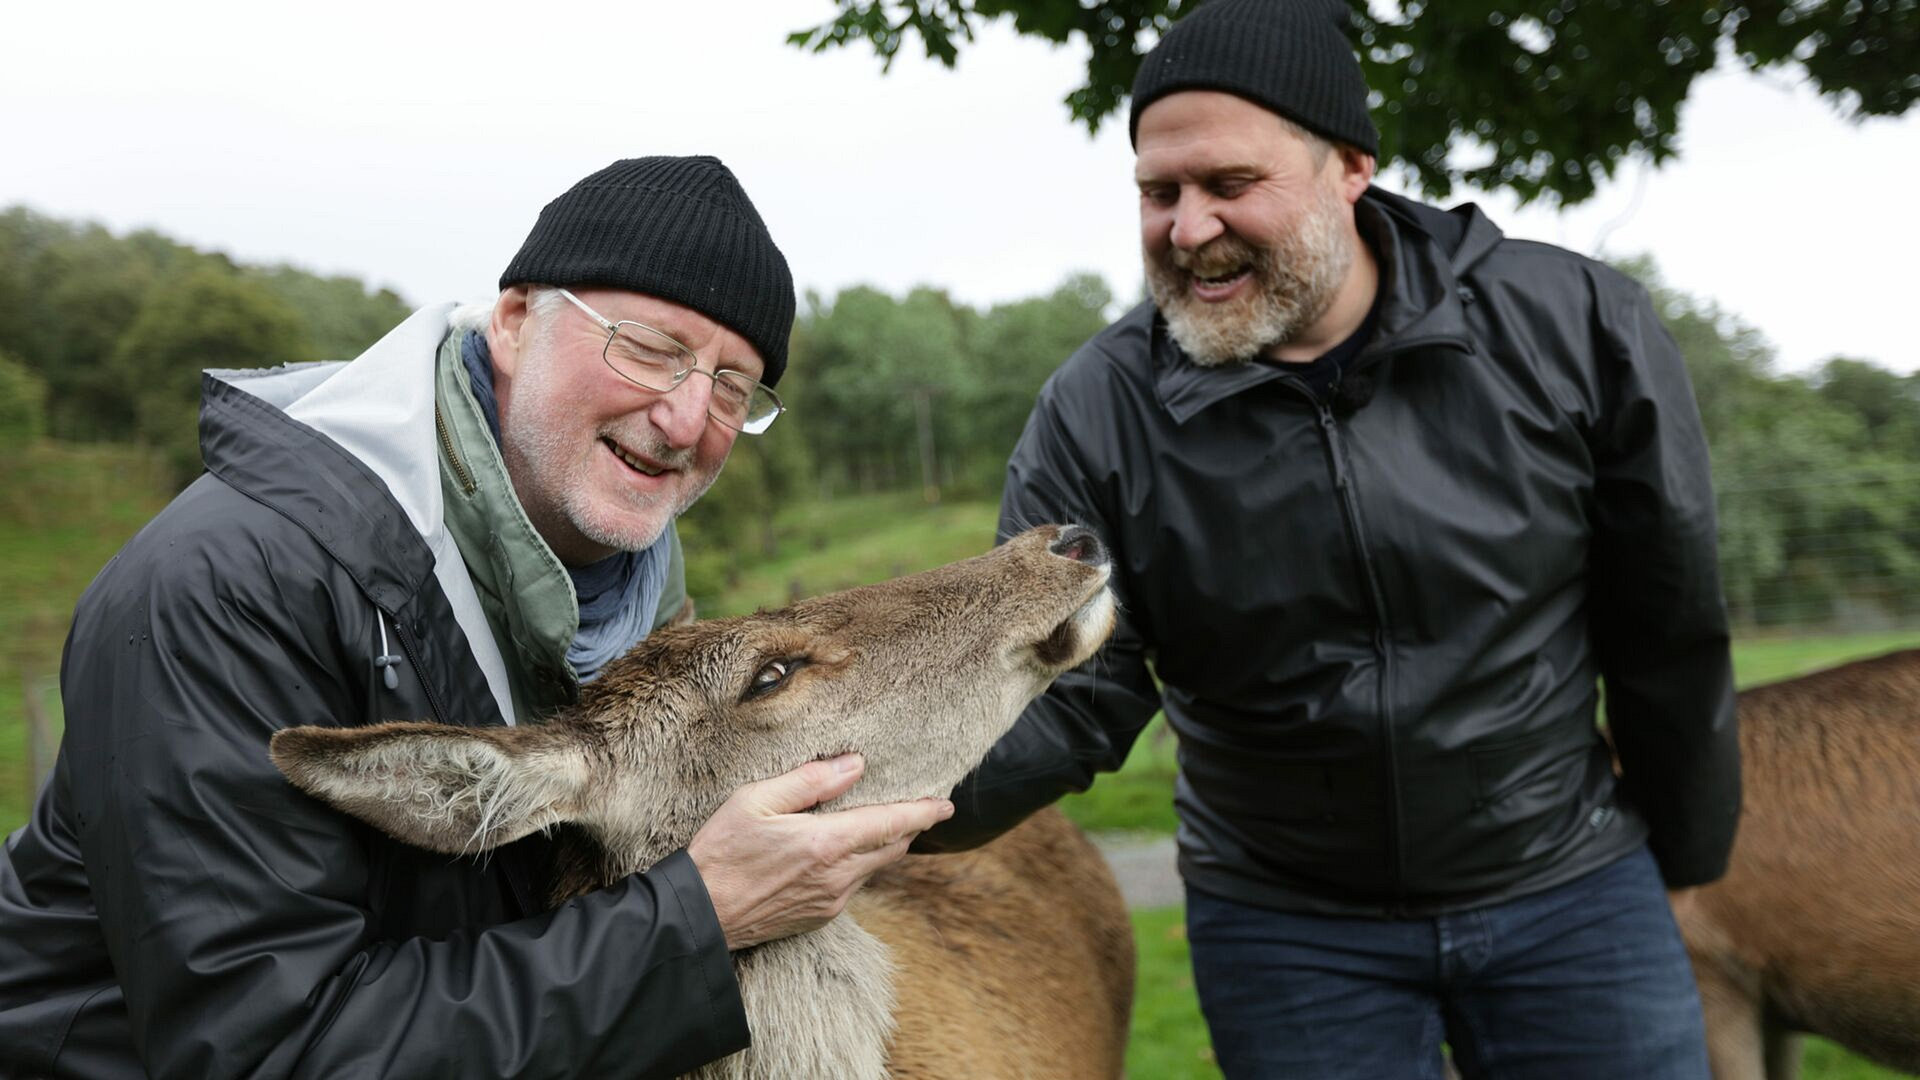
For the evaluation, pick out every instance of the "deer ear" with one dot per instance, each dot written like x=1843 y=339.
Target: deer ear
x=451 y=789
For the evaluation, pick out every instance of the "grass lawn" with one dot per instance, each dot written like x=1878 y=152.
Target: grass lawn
x=1169 y=1039
x=64 y=511
x=855 y=540
x=1770 y=659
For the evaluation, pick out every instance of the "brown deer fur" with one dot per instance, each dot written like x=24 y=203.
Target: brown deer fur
x=1013 y=960
x=1816 y=925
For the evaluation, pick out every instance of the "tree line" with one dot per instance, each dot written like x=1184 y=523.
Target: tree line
x=885 y=393
x=102 y=338
x=1817 y=473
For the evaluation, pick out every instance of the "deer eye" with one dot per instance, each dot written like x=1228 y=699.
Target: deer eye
x=771 y=675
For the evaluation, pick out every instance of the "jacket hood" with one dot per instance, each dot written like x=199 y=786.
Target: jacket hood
x=1464 y=233
x=348 y=452
x=388 y=430
x=1423 y=254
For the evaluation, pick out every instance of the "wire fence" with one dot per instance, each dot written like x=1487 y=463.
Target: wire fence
x=1837 y=550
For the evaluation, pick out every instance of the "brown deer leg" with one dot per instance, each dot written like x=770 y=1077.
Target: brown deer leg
x=1783 y=1047
x=1735 y=1045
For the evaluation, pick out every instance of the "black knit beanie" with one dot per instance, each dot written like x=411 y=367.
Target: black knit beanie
x=1289 y=56
x=679 y=228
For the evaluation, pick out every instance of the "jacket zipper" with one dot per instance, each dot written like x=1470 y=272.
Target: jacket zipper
x=1383 y=626
x=401 y=634
x=1349 y=505
x=460 y=472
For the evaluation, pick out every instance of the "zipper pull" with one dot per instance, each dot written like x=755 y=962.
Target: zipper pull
x=386 y=661
x=1327 y=422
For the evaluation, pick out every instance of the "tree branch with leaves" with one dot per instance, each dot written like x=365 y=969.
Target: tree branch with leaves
x=1546 y=98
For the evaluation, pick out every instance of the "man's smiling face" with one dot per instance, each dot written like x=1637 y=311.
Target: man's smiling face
x=599 y=463
x=1243 y=224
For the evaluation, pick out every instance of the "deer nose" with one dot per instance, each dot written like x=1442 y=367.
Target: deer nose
x=1079 y=543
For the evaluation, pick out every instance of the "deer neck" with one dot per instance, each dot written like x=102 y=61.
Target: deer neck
x=818 y=1004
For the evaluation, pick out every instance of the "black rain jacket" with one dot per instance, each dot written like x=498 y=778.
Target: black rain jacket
x=1377 y=620
x=176 y=909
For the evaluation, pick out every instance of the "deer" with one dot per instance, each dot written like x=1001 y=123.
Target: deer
x=1015 y=959
x=1815 y=928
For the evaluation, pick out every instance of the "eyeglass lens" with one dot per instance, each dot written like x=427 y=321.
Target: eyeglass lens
x=658 y=362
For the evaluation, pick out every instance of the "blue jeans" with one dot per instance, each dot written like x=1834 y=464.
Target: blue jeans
x=1587 y=979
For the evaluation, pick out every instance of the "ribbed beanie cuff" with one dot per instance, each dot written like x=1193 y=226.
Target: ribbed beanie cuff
x=1289 y=56
x=679 y=228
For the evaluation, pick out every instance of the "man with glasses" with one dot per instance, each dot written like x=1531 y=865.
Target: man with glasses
x=463 y=524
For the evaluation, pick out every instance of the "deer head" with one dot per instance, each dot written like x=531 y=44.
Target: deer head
x=920 y=675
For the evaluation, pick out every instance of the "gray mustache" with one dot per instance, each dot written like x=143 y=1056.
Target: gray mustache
x=1217 y=255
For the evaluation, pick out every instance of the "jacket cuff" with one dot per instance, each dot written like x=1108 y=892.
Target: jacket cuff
x=689 y=890
x=1686 y=867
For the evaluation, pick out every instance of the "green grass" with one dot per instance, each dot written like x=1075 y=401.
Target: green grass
x=1825 y=1061
x=64 y=511
x=1137 y=798
x=1765 y=660
x=827 y=546
x=1169 y=1038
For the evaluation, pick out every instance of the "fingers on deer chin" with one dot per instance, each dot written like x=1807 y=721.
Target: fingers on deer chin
x=842 y=773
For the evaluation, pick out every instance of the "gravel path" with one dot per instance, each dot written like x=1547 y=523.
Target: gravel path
x=1144 y=867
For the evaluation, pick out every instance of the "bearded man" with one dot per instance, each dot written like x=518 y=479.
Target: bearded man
x=461 y=525
x=1388 y=494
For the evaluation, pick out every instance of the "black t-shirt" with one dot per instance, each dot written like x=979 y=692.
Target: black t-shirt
x=1321 y=373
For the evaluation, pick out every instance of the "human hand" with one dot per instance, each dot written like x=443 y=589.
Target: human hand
x=773 y=871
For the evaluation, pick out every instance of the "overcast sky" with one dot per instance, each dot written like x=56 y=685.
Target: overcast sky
x=414 y=148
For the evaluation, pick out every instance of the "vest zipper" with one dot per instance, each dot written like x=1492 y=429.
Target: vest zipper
x=460 y=472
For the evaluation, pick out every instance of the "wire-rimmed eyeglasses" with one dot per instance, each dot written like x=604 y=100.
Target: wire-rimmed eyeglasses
x=651 y=360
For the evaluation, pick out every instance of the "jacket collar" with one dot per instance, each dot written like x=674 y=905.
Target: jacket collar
x=1421 y=252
